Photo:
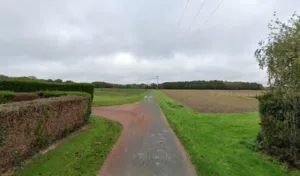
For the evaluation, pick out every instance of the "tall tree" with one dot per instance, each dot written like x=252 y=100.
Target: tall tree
x=279 y=54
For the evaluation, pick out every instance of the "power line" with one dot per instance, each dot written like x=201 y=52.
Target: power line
x=187 y=3
x=211 y=14
x=202 y=5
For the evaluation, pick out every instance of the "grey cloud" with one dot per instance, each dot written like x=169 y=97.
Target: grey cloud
x=66 y=33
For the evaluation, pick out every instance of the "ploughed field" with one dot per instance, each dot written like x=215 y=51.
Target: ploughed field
x=217 y=101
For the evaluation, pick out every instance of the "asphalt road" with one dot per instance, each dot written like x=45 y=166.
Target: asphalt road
x=147 y=146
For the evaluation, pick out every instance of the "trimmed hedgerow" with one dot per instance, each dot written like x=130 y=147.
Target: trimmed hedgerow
x=17 y=85
x=36 y=124
x=48 y=94
x=280 y=127
x=6 y=96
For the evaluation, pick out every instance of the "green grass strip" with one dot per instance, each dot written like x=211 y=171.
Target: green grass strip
x=80 y=155
x=109 y=100
x=220 y=144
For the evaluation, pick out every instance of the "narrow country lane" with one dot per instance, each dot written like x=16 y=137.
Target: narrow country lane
x=147 y=145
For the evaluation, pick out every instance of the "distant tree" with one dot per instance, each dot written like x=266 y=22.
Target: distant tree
x=279 y=54
x=58 y=81
x=3 y=77
x=32 y=77
x=69 y=81
x=153 y=86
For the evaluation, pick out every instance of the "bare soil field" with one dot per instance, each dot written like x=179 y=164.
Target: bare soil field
x=217 y=101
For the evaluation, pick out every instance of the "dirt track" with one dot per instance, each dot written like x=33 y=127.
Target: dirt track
x=147 y=145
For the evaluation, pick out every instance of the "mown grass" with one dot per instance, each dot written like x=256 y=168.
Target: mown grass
x=220 y=144
x=80 y=155
x=108 y=97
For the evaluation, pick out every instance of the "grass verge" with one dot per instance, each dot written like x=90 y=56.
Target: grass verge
x=109 y=97
x=81 y=155
x=220 y=144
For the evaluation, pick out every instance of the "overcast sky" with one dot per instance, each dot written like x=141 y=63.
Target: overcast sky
x=134 y=40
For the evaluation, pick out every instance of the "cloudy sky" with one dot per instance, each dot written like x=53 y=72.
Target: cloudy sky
x=134 y=40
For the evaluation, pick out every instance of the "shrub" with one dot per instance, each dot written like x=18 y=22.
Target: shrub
x=18 y=85
x=279 y=55
x=48 y=94
x=280 y=127
x=6 y=96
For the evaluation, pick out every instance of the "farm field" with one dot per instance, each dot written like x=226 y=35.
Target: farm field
x=216 y=101
x=80 y=155
x=220 y=144
x=108 y=97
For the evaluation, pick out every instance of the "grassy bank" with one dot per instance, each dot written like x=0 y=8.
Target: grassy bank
x=108 y=97
x=220 y=144
x=80 y=155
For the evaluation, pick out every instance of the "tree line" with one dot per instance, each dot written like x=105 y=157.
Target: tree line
x=200 y=84
x=4 y=77
x=99 y=84
x=215 y=84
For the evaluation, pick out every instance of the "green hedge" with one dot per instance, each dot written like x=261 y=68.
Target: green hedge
x=6 y=96
x=280 y=127
x=36 y=85
x=48 y=94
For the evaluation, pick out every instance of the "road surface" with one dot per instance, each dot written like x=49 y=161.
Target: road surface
x=147 y=146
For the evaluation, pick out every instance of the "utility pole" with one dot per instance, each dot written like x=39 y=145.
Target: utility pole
x=157 y=82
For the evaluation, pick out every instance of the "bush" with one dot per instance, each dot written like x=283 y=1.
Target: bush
x=280 y=127
x=279 y=55
x=6 y=96
x=18 y=85
x=48 y=94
